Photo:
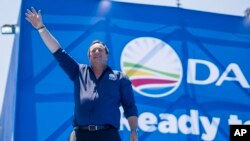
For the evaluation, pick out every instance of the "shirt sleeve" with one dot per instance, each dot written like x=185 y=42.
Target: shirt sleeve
x=68 y=64
x=127 y=97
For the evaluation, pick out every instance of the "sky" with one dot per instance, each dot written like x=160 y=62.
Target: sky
x=228 y=7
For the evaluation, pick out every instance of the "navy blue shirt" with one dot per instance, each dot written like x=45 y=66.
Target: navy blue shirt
x=97 y=101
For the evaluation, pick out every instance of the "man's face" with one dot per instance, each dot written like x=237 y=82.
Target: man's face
x=98 y=54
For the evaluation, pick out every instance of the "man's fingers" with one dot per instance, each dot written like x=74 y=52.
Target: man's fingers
x=29 y=12
x=33 y=13
x=28 y=19
x=28 y=15
x=33 y=10
x=39 y=13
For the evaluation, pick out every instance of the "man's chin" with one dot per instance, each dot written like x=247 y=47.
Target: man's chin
x=97 y=62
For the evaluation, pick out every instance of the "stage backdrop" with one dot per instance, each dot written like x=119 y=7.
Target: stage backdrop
x=189 y=69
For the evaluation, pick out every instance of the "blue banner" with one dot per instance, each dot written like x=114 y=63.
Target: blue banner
x=189 y=69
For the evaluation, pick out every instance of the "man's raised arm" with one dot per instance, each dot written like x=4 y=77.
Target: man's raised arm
x=35 y=18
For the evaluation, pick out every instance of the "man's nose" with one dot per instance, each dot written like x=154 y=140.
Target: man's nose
x=97 y=50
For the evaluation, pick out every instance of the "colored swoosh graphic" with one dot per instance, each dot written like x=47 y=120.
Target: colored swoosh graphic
x=127 y=64
x=156 y=91
x=144 y=81
x=138 y=73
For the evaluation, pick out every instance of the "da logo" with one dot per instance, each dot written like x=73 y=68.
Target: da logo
x=152 y=65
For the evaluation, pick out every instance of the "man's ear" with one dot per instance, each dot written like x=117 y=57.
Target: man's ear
x=88 y=53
